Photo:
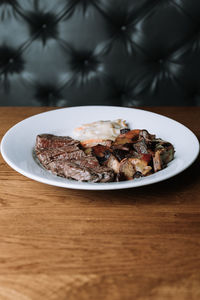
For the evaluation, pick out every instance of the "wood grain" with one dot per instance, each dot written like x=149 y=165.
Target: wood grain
x=141 y=243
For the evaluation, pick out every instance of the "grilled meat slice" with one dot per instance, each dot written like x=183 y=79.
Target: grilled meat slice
x=50 y=148
x=46 y=156
x=53 y=141
x=56 y=167
x=83 y=164
x=81 y=170
x=107 y=174
x=75 y=171
x=88 y=161
x=85 y=168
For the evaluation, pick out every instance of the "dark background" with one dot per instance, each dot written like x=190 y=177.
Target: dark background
x=107 y=52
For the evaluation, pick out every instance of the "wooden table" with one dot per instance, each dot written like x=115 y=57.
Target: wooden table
x=141 y=243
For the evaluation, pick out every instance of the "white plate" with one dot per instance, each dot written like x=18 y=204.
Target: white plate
x=18 y=143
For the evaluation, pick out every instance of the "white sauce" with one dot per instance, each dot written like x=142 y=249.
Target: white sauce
x=106 y=130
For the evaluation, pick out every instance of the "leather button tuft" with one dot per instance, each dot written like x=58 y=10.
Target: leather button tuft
x=8 y=64
x=47 y=94
x=39 y=22
x=123 y=28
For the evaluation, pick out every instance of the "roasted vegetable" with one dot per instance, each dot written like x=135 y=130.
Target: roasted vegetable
x=146 y=135
x=133 y=154
x=157 y=162
x=164 y=153
x=113 y=163
x=102 y=153
x=141 y=146
x=130 y=166
x=128 y=137
x=120 y=153
x=126 y=169
x=146 y=157
x=140 y=165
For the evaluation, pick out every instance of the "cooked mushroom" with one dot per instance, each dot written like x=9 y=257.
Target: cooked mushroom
x=163 y=155
x=157 y=162
x=146 y=135
x=130 y=166
x=141 y=146
x=113 y=163
x=126 y=169
x=101 y=152
x=140 y=165
x=128 y=137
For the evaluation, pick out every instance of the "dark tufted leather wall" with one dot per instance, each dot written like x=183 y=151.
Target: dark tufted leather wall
x=85 y=52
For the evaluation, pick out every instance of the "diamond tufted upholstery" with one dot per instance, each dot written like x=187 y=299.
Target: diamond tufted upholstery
x=109 y=52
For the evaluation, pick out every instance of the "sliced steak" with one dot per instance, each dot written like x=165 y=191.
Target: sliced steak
x=76 y=170
x=64 y=157
x=88 y=161
x=53 y=141
x=83 y=169
x=50 y=148
x=105 y=174
x=56 y=167
x=46 y=156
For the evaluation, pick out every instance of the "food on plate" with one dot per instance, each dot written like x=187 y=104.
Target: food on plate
x=117 y=153
x=99 y=132
x=65 y=157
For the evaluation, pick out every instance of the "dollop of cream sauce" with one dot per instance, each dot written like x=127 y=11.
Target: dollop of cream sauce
x=105 y=130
